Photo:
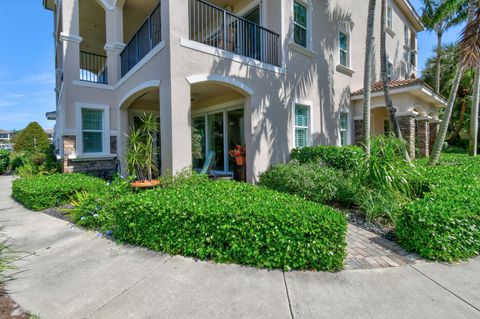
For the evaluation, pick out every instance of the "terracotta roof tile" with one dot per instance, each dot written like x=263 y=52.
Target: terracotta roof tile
x=378 y=86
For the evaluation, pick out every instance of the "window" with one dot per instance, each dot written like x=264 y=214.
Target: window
x=92 y=131
x=301 y=126
x=300 y=24
x=344 y=129
x=389 y=17
x=406 y=36
x=343 y=40
x=389 y=71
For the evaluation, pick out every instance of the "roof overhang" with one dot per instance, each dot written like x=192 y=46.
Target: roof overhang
x=420 y=90
x=52 y=116
x=49 y=4
x=411 y=14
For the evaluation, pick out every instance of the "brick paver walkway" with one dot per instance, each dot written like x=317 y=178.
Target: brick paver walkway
x=367 y=250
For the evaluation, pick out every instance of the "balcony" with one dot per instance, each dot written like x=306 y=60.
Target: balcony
x=144 y=40
x=216 y=27
x=93 y=68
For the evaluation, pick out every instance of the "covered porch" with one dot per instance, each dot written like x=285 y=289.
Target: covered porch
x=417 y=110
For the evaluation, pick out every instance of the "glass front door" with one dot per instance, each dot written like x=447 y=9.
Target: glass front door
x=220 y=132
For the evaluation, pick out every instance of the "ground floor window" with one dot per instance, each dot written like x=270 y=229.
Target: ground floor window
x=92 y=131
x=302 y=131
x=344 y=129
x=220 y=131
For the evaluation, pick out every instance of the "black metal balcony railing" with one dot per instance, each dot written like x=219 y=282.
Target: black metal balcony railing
x=93 y=68
x=219 y=28
x=144 y=40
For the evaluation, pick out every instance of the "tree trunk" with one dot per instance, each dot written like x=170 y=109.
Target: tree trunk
x=386 y=89
x=473 y=142
x=367 y=77
x=442 y=132
x=459 y=127
x=438 y=61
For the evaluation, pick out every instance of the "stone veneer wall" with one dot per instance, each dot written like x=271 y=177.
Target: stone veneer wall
x=434 y=126
x=103 y=168
x=423 y=129
x=407 y=127
x=358 y=132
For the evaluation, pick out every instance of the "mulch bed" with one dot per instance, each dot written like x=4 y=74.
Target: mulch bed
x=60 y=212
x=358 y=219
x=9 y=309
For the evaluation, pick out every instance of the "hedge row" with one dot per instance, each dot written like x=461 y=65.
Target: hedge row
x=344 y=158
x=227 y=222
x=41 y=192
x=444 y=225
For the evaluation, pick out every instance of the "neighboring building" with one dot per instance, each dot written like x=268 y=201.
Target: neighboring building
x=269 y=74
x=5 y=139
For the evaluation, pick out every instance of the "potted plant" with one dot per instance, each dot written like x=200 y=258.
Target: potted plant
x=142 y=153
x=238 y=153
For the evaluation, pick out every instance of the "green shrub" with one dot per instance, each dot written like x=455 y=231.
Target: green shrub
x=31 y=139
x=345 y=158
x=227 y=221
x=444 y=225
x=310 y=181
x=41 y=192
x=4 y=160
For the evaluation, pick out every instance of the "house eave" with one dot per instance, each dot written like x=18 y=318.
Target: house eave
x=411 y=14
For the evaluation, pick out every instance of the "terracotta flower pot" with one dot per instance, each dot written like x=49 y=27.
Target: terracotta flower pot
x=240 y=160
x=145 y=184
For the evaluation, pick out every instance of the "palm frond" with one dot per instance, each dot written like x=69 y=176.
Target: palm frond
x=470 y=41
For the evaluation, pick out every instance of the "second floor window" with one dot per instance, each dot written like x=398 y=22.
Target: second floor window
x=92 y=131
x=389 y=71
x=406 y=36
x=302 y=131
x=300 y=24
x=344 y=45
x=389 y=17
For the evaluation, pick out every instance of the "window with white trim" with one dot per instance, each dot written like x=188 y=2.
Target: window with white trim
x=300 y=24
x=389 y=17
x=389 y=71
x=344 y=53
x=406 y=36
x=344 y=128
x=302 y=130
x=92 y=131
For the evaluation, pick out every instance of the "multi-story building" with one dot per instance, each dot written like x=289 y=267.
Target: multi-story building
x=268 y=74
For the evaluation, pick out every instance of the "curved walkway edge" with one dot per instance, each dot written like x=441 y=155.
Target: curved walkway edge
x=65 y=272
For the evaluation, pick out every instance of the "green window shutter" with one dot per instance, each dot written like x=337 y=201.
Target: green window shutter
x=301 y=125
x=301 y=115
x=301 y=138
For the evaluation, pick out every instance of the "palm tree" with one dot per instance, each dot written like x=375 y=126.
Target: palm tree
x=441 y=21
x=367 y=76
x=386 y=89
x=469 y=55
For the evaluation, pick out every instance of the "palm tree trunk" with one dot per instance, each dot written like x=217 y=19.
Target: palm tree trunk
x=438 y=61
x=367 y=77
x=386 y=89
x=473 y=143
x=459 y=127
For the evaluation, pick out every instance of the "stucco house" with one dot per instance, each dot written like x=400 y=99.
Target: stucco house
x=268 y=74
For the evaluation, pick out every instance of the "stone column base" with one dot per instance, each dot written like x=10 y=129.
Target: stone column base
x=407 y=127
x=423 y=126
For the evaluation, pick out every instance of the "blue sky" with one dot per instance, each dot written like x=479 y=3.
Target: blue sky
x=27 y=63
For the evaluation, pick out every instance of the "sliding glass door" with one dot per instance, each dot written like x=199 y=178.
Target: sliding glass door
x=220 y=132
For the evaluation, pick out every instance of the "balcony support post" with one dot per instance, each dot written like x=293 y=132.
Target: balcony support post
x=114 y=45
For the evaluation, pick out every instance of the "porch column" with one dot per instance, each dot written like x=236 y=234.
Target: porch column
x=71 y=39
x=358 y=131
x=434 y=126
x=423 y=125
x=407 y=127
x=175 y=125
x=114 y=45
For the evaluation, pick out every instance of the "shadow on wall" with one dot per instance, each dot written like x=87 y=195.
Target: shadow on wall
x=306 y=76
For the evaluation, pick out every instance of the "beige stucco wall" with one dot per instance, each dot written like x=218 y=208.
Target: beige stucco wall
x=309 y=78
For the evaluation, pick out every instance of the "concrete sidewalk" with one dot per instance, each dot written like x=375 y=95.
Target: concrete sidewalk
x=65 y=272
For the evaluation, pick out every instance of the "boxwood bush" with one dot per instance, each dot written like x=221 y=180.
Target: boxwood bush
x=310 y=181
x=344 y=158
x=4 y=160
x=41 y=192
x=226 y=221
x=444 y=225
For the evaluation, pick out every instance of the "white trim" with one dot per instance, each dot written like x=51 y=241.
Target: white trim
x=308 y=104
x=107 y=6
x=390 y=31
x=249 y=7
x=70 y=37
x=93 y=85
x=112 y=46
x=138 y=88
x=345 y=70
x=79 y=131
x=408 y=113
x=100 y=157
x=141 y=63
x=305 y=51
x=200 y=47
x=406 y=89
x=348 y=130
x=308 y=5
x=198 y=78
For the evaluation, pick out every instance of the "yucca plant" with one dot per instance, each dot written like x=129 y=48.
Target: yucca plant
x=142 y=152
